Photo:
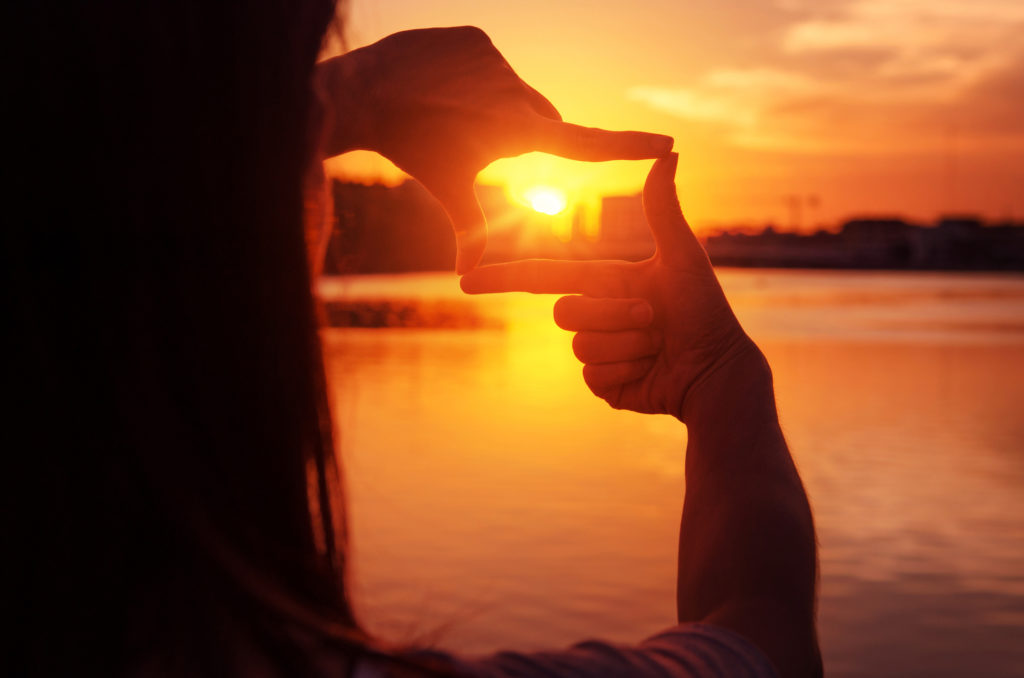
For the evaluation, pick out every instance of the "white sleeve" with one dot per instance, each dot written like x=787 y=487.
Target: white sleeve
x=685 y=651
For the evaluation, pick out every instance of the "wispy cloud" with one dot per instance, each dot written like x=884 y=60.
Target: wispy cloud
x=958 y=39
x=907 y=25
x=918 y=63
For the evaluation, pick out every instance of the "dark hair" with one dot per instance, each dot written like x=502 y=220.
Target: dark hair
x=173 y=435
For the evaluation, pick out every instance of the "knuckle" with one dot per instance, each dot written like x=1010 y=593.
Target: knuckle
x=600 y=386
x=578 y=351
x=540 y=131
x=638 y=346
x=610 y=397
x=470 y=34
x=583 y=347
x=624 y=312
x=593 y=380
x=584 y=140
x=563 y=312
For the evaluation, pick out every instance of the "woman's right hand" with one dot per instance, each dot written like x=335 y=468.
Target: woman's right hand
x=659 y=336
x=649 y=333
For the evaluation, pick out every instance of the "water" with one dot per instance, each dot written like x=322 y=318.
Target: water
x=495 y=503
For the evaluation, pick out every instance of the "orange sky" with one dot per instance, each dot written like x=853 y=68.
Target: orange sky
x=910 y=107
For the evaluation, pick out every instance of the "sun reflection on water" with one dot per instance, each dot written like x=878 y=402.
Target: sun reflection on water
x=492 y=495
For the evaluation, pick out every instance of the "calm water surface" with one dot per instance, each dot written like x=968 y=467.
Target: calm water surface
x=495 y=503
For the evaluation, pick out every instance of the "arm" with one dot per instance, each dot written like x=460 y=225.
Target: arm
x=747 y=557
x=442 y=104
x=658 y=336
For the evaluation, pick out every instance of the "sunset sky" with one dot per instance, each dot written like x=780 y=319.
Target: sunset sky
x=909 y=107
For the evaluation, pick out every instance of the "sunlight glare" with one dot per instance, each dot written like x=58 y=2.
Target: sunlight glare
x=545 y=199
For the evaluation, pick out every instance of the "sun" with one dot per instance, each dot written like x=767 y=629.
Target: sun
x=545 y=199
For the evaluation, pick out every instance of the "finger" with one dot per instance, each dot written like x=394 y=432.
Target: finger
x=677 y=245
x=540 y=103
x=469 y=223
x=593 y=144
x=594 y=348
x=587 y=313
x=545 y=276
x=602 y=377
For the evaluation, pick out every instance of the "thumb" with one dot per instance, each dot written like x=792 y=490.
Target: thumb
x=676 y=243
x=469 y=223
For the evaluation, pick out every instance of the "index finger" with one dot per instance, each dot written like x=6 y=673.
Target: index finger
x=543 y=276
x=594 y=144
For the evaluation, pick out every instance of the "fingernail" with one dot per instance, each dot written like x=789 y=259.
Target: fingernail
x=661 y=144
x=642 y=313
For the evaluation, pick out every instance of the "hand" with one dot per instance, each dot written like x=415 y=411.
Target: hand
x=442 y=104
x=648 y=333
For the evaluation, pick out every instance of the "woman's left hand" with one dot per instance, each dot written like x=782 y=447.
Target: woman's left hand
x=442 y=104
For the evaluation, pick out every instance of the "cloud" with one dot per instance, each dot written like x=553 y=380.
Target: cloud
x=907 y=25
x=959 y=39
x=865 y=76
x=694 y=104
x=730 y=96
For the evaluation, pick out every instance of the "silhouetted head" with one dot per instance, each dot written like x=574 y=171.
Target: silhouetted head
x=172 y=429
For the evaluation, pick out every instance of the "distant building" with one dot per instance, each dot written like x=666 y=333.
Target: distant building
x=877 y=243
x=954 y=243
x=774 y=248
x=382 y=229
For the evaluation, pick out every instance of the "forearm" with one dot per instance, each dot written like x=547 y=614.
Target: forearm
x=747 y=554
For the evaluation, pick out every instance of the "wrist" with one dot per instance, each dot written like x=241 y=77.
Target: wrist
x=733 y=426
x=738 y=386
